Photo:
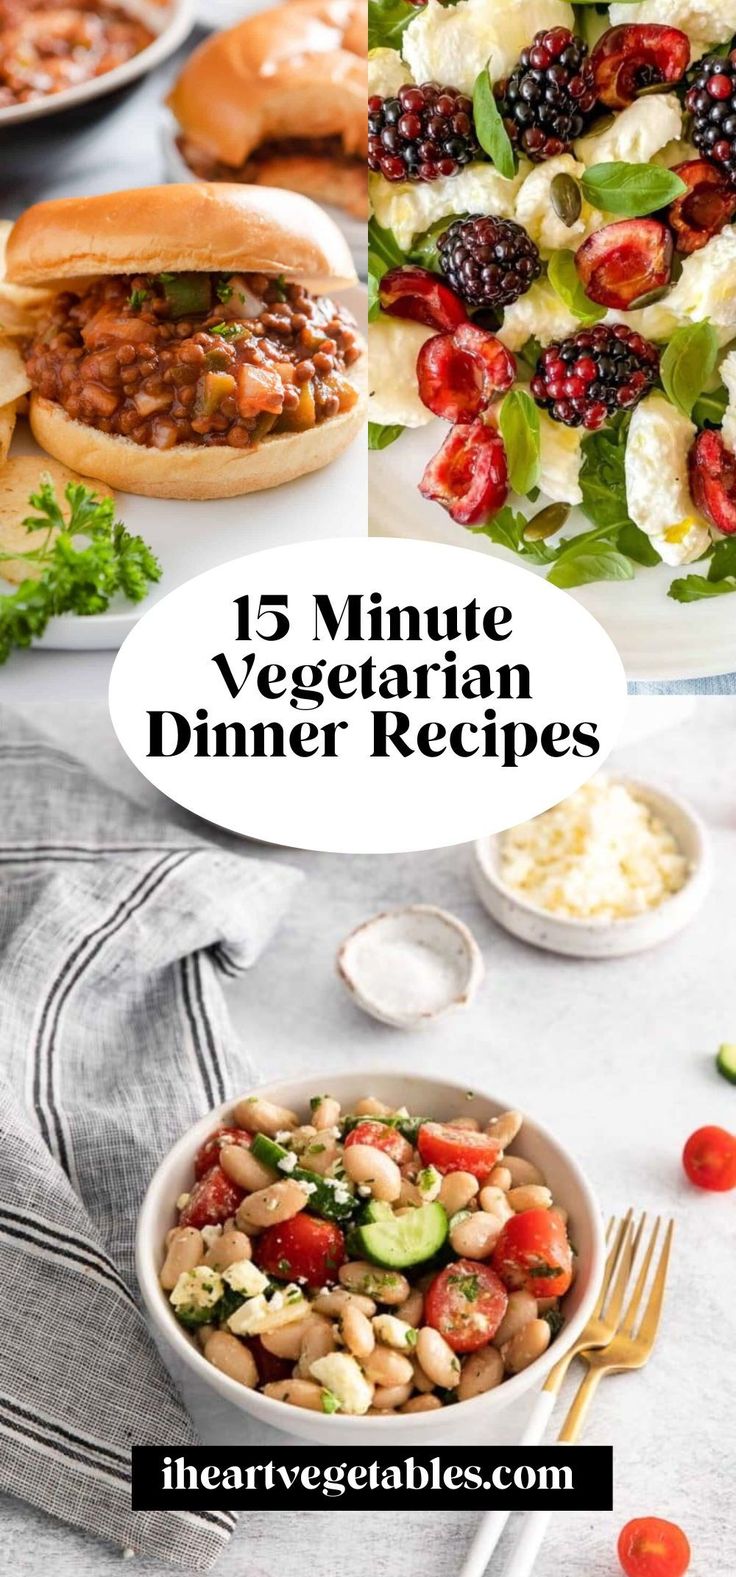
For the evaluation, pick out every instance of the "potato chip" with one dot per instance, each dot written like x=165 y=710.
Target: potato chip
x=20 y=477
x=19 y=304
x=14 y=380
x=8 y=415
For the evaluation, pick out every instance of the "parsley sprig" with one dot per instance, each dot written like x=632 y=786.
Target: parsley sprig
x=84 y=561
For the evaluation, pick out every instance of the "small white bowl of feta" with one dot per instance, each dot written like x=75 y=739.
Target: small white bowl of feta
x=618 y=867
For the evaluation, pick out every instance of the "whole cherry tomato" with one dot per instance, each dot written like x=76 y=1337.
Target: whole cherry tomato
x=709 y=1158
x=650 y=1547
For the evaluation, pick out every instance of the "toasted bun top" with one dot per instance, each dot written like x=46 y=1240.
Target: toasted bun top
x=198 y=227
x=296 y=71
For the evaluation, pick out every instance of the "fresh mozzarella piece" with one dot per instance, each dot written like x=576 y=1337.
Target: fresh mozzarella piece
x=538 y=314
x=387 y=72
x=705 y=288
x=535 y=212
x=452 y=43
x=635 y=134
x=704 y=21
x=657 y=491
x=727 y=372
x=393 y=347
x=676 y=152
x=410 y=207
x=561 y=456
x=656 y=322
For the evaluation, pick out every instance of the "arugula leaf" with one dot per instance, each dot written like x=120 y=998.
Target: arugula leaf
x=489 y=127
x=588 y=563
x=379 y=437
x=506 y=528
x=631 y=189
x=374 y=291
x=687 y=363
x=723 y=559
x=387 y=20
x=637 y=545
x=518 y=420
x=73 y=578
x=602 y=475
x=710 y=409
x=692 y=588
x=565 y=281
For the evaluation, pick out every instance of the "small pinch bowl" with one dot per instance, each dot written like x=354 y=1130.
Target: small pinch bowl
x=597 y=937
x=466 y=1421
x=443 y=941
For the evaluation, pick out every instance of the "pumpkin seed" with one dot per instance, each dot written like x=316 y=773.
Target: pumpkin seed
x=546 y=522
x=654 y=87
x=648 y=299
x=566 y=198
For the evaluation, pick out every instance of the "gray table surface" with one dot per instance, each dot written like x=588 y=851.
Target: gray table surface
x=617 y=1058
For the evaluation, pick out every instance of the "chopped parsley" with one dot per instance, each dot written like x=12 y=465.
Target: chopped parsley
x=543 y=1270
x=223 y=290
x=330 y=1402
x=227 y=330
x=467 y=1285
x=555 y=1320
x=284 y=1268
x=137 y=298
x=280 y=287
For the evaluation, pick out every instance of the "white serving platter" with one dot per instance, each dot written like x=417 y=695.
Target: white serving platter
x=657 y=638
x=190 y=537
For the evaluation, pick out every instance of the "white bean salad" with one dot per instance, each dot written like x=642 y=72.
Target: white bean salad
x=369 y=1262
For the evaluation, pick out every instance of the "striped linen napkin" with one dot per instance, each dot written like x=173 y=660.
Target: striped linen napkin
x=115 y=931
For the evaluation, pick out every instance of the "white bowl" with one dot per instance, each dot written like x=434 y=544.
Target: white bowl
x=355 y=231
x=600 y=938
x=467 y=1420
x=408 y=967
x=171 y=24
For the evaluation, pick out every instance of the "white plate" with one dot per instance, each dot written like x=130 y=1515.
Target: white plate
x=170 y=23
x=657 y=638
x=354 y=230
x=189 y=538
x=215 y=14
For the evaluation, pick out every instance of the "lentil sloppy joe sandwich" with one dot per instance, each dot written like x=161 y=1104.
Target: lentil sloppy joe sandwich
x=187 y=350
x=281 y=100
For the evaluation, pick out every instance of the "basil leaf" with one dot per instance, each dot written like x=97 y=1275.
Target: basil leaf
x=374 y=299
x=693 y=588
x=710 y=409
x=687 y=364
x=387 y=20
x=589 y=564
x=380 y=437
x=631 y=189
x=518 y=420
x=384 y=249
x=489 y=127
x=602 y=475
x=424 y=247
x=564 y=279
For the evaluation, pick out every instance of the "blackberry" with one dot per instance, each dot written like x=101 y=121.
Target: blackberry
x=424 y=133
x=489 y=262
x=596 y=372
x=711 y=100
x=549 y=96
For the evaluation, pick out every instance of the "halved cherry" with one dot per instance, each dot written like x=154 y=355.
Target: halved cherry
x=703 y=210
x=468 y=476
x=623 y=261
x=413 y=292
x=460 y=374
x=712 y=476
x=635 y=56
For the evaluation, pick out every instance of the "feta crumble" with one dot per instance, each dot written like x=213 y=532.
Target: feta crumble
x=340 y=1374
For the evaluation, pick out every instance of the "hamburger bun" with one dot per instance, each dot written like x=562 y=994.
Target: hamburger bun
x=291 y=75
x=203 y=227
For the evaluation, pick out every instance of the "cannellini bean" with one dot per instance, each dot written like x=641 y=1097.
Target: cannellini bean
x=300 y=1137
x=393 y=1332
x=386 y=1286
x=357 y=1332
x=185 y=1250
x=522 y=1171
x=385 y=1366
x=482 y=1371
x=203 y=1334
x=334 y=1303
x=243 y=1168
x=421 y=1404
x=272 y=1205
x=287 y=1342
x=321 y=1153
x=410 y=1194
x=326 y=1112
x=412 y=1308
x=500 y=1177
x=505 y=1128
x=260 y=1116
x=470 y=1124
x=495 y=1201
x=370 y=1107
x=365 y=1164
x=520 y=1309
x=232 y=1357
x=457 y=1190
x=387 y=1398
x=439 y=1362
x=318 y=1342
x=422 y=1381
x=381 y=1412
x=229 y=1249
x=544 y=1305
x=301 y=1393
x=531 y=1196
x=528 y=1344
x=476 y=1235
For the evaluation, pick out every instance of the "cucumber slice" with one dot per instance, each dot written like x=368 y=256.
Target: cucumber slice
x=328 y=1198
x=726 y=1062
x=376 y=1210
x=404 y=1240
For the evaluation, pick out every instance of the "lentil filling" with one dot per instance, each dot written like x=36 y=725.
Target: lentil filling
x=195 y=358
x=46 y=46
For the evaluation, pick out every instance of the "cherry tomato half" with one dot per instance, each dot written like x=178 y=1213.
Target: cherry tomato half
x=381 y=1137
x=466 y=1303
x=533 y=1252
x=457 y=1149
x=649 y=1547
x=709 y=1158
x=212 y=1199
x=302 y=1248
x=208 y=1153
